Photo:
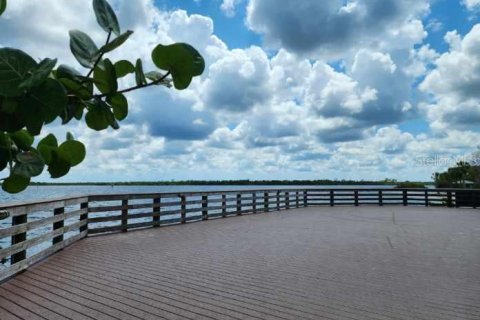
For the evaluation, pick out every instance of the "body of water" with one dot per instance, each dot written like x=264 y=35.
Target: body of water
x=33 y=193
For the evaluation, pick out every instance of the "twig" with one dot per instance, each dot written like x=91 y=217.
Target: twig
x=99 y=57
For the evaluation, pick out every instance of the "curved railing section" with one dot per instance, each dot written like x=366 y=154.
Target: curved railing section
x=35 y=230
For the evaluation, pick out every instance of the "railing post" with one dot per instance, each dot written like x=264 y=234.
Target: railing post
x=356 y=198
x=265 y=201
x=58 y=225
x=426 y=198
x=22 y=255
x=305 y=198
x=224 y=205
x=332 y=198
x=297 y=200
x=124 y=215
x=380 y=198
x=239 y=204
x=287 y=200
x=183 y=209
x=204 y=207
x=254 y=202
x=156 y=212
x=278 y=200
x=84 y=216
x=405 y=198
x=449 y=199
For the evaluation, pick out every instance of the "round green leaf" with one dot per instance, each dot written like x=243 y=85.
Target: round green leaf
x=123 y=67
x=15 y=66
x=3 y=6
x=40 y=74
x=47 y=146
x=23 y=139
x=119 y=105
x=182 y=60
x=30 y=164
x=83 y=48
x=43 y=104
x=15 y=184
x=99 y=116
x=117 y=42
x=105 y=77
x=59 y=166
x=72 y=150
x=106 y=18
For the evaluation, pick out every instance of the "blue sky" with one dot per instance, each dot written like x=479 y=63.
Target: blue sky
x=338 y=89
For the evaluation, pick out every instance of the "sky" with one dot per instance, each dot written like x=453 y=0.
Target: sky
x=334 y=89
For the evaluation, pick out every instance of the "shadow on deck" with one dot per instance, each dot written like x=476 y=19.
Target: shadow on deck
x=311 y=263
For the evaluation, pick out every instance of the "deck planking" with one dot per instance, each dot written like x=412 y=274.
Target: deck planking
x=315 y=263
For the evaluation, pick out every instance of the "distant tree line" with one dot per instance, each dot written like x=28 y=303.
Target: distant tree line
x=321 y=182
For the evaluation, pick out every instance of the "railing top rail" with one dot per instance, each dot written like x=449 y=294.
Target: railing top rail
x=68 y=200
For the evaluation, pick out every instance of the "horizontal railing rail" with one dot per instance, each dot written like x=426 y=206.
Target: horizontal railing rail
x=35 y=230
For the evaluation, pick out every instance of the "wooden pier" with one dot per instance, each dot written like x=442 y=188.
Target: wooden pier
x=317 y=260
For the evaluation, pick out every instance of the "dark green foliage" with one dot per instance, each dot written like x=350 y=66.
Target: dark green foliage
x=463 y=175
x=34 y=94
x=410 y=185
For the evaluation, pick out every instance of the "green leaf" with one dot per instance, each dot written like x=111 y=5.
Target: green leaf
x=30 y=164
x=47 y=146
x=9 y=105
x=117 y=42
x=4 y=158
x=43 y=104
x=59 y=166
x=181 y=60
x=99 y=116
x=123 y=67
x=64 y=71
x=119 y=105
x=139 y=75
x=23 y=139
x=105 y=77
x=83 y=48
x=106 y=18
x=15 y=184
x=72 y=150
x=15 y=67
x=3 y=6
x=40 y=74
x=11 y=122
x=81 y=90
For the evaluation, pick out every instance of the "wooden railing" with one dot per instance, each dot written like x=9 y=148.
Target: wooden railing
x=35 y=230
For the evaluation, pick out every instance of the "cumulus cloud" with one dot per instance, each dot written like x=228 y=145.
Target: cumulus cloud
x=238 y=81
x=455 y=84
x=335 y=26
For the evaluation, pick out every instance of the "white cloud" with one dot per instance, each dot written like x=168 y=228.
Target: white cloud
x=455 y=84
x=471 y=4
x=228 y=7
x=332 y=28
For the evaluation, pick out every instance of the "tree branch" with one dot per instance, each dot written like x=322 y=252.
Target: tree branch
x=99 y=57
x=136 y=87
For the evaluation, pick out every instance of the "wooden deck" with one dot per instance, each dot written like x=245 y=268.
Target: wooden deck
x=312 y=263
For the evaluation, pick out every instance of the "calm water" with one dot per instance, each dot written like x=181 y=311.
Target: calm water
x=47 y=192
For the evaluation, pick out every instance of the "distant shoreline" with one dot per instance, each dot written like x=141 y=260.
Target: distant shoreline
x=226 y=182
